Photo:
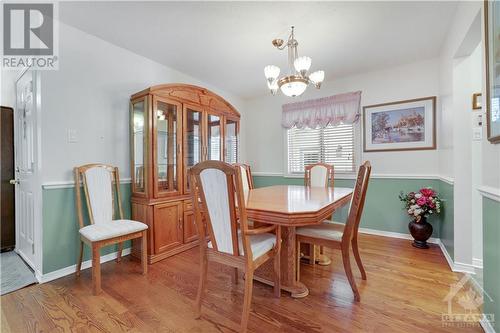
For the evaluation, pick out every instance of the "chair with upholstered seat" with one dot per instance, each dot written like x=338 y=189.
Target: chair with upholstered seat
x=319 y=175
x=101 y=184
x=246 y=176
x=218 y=190
x=334 y=236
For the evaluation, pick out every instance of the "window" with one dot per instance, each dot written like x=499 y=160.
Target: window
x=331 y=145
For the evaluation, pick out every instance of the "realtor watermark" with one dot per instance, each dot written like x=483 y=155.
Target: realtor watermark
x=470 y=299
x=30 y=35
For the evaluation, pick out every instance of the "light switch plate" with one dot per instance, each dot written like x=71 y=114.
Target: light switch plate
x=477 y=133
x=72 y=135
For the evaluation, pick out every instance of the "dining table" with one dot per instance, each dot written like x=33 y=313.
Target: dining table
x=291 y=206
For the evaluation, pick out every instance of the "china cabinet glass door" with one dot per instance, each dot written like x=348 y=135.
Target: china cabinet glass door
x=166 y=143
x=193 y=144
x=214 y=137
x=139 y=144
x=231 y=138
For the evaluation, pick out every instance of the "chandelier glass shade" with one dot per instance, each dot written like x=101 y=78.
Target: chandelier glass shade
x=296 y=82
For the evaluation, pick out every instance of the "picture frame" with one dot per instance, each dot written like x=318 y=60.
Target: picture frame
x=401 y=125
x=477 y=101
x=492 y=47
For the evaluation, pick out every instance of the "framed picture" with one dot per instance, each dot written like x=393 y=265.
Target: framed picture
x=477 y=101
x=401 y=125
x=492 y=60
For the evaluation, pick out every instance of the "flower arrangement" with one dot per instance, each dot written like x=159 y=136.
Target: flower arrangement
x=422 y=203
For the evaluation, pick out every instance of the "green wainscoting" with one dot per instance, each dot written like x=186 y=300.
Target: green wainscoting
x=60 y=231
x=446 y=221
x=491 y=257
x=383 y=210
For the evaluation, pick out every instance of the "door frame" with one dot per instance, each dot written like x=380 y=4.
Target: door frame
x=37 y=186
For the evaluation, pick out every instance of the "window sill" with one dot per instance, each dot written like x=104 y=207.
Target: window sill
x=339 y=175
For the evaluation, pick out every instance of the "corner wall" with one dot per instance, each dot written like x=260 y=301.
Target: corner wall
x=455 y=130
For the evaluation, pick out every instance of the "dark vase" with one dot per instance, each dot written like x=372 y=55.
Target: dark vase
x=421 y=232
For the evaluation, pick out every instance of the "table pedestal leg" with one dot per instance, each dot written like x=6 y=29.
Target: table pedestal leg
x=289 y=281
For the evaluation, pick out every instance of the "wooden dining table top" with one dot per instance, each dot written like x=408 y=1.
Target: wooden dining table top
x=294 y=205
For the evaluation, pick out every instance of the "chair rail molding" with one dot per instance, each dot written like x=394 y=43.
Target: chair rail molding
x=445 y=179
x=71 y=183
x=490 y=192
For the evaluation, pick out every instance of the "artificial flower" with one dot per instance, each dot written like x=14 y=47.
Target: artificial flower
x=422 y=203
x=427 y=192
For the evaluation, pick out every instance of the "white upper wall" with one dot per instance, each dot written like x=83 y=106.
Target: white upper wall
x=7 y=83
x=453 y=46
x=465 y=17
x=265 y=136
x=90 y=94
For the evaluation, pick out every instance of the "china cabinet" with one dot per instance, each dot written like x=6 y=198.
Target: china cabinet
x=173 y=127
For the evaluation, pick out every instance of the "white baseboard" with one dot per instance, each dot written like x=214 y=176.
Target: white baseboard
x=477 y=287
x=393 y=235
x=477 y=263
x=72 y=269
x=487 y=325
x=464 y=268
x=456 y=266
x=390 y=234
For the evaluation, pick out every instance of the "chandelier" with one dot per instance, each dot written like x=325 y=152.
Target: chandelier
x=295 y=83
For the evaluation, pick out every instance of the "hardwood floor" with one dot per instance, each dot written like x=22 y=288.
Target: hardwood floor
x=404 y=293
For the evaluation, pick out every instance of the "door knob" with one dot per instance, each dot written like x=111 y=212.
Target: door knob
x=14 y=181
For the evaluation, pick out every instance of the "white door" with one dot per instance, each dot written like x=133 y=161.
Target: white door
x=26 y=157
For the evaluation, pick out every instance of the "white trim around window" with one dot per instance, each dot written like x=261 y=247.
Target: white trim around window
x=339 y=174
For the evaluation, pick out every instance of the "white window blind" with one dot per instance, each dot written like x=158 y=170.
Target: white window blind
x=332 y=145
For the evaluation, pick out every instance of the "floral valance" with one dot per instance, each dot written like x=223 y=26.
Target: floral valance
x=321 y=112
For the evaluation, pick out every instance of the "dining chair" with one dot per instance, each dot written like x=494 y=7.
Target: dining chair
x=329 y=235
x=101 y=185
x=318 y=175
x=218 y=192
x=246 y=176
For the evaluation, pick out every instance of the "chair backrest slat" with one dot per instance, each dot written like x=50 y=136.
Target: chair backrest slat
x=319 y=175
x=357 y=202
x=100 y=184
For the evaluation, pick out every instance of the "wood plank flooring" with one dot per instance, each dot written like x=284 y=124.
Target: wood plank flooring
x=404 y=293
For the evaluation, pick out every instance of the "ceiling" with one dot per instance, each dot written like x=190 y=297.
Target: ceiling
x=227 y=44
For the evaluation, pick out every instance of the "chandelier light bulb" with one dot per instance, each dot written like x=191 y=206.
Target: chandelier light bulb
x=317 y=78
x=302 y=65
x=298 y=78
x=273 y=86
x=271 y=72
